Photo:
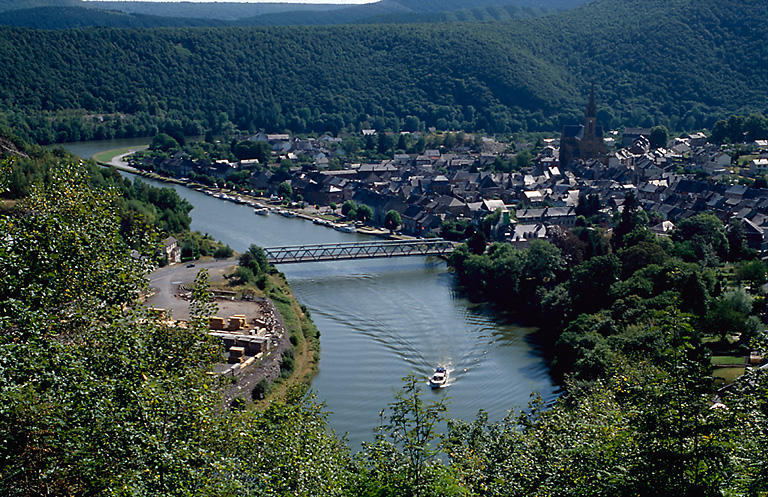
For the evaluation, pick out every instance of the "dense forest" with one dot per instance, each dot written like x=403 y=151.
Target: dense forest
x=98 y=397
x=683 y=64
x=64 y=14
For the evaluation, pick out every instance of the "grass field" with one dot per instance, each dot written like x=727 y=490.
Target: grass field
x=108 y=155
x=727 y=375
x=727 y=360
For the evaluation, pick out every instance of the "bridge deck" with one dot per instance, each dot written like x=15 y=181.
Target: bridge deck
x=357 y=250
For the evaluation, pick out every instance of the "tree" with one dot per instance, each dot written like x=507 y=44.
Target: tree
x=591 y=280
x=477 y=242
x=163 y=142
x=392 y=220
x=631 y=217
x=386 y=142
x=659 y=136
x=201 y=305
x=456 y=229
x=256 y=260
x=404 y=450
x=364 y=213
x=349 y=209
x=752 y=272
x=248 y=149
x=285 y=190
x=588 y=205
x=706 y=236
x=737 y=240
x=522 y=159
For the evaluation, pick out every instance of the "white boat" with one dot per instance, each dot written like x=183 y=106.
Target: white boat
x=262 y=211
x=345 y=228
x=288 y=213
x=438 y=378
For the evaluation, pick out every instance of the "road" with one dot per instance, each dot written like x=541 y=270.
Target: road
x=166 y=280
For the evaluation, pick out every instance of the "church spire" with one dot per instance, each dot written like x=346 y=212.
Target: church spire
x=592 y=107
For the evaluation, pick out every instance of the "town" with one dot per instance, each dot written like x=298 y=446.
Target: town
x=468 y=178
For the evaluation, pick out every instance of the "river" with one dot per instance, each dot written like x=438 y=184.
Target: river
x=382 y=319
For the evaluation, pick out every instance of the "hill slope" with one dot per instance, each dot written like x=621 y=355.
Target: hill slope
x=48 y=17
x=679 y=62
x=66 y=14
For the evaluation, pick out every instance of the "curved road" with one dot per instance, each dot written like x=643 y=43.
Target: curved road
x=166 y=280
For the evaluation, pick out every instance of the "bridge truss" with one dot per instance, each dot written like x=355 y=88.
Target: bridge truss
x=358 y=250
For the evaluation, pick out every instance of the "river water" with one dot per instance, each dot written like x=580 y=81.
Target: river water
x=382 y=319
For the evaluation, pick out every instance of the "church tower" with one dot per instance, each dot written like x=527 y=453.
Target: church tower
x=583 y=141
x=591 y=146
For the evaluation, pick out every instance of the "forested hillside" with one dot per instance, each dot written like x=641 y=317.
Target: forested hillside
x=408 y=11
x=82 y=17
x=681 y=63
x=65 y=14
x=225 y=11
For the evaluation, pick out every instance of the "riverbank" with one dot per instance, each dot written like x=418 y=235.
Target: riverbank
x=322 y=217
x=293 y=340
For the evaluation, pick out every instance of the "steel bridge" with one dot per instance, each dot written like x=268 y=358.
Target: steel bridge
x=358 y=250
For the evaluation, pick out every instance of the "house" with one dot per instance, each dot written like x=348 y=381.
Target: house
x=757 y=237
x=533 y=196
x=716 y=163
x=171 y=250
x=631 y=134
x=758 y=166
x=524 y=233
x=664 y=228
x=560 y=216
x=697 y=140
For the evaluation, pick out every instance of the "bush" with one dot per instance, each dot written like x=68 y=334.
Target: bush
x=288 y=364
x=223 y=252
x=244 y=274
x=260 y=390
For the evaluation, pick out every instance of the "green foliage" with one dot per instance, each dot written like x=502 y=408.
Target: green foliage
x=223 y=252
x=737 y=129
x=401 y=461
x=751 y=272
x=477 y=242
x=349 y=209
x=647 y=427
x=255 y=259
x=705 y=235
x=392 y=220
x=65 y=228
x=632 y=217
x=364 y=213
x=163 y=142
x=252 y=150
x=457 y=230
x=285 y=190
x=448 y=75
x=659 y=136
